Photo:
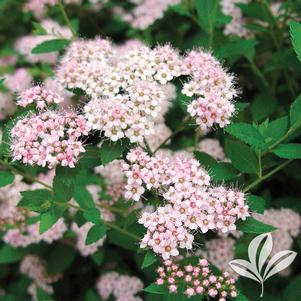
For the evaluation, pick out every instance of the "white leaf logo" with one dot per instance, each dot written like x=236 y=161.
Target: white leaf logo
x=259 y=251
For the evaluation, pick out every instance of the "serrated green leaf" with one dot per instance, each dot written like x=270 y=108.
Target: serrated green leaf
x=295 y=113
x=222 y=172
x=157 y=289
x=251 y=225
x=248 y=134
x=256 y=203
x=6 y=178
x=60 y=259
x=36 y=200
x=207 y=11
x=110 y=151
x=288 y=151
x=98 y=256
x=275 y=130
x=50 y=46
x=39 y=29
x=91 y=296
x=96 y=233
x=295 y=31
x=92 y=215
x=62 y=191
x=149 y=259
x=263 y=106
x=83 y=197
x=47 y=220
x=9 y=254
x=206 y=160
x=242 y=157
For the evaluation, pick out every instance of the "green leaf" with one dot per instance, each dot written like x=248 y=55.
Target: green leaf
x=247 y=133
x=83 y=197
x=256 y=203
x=6 y=178
x=62 y=191
x=60 y=259
x=276 y=129
x=222 y=172
x=206 y=160
x=218 y=171
x=92 y=215
x=96 y=233
x=156 y=289
x=91 y=296
x=288 y=151
x=295 y=113
x=295 y=30
x=207 y=12
x=50 y=46
x=242 y=157
x=293 y=290
x=149 y=259
x=36 y=200
x=47 y=220
x=110 y=151
x=43 y=296
x=251 y=225
x=263 y=106
x=39 y=29
x=9 y=254
x=98 y=257
x=236 y=48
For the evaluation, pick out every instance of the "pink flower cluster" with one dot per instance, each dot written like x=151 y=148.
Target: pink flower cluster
x=122 y=287
x=212 y=88
x=35 y=268
x=219 y=252
x=26 y=235
x=49 y=138
x=82 y=232
x=237 y=25
x=288 y=225
x=114 y=178
x=126 y=98
x=213 y=148
x=40 y=96
x=193 y=204
x=147 y=12
x=196 y=280
x=19 y=81
x=7 y=105
x=38 y=7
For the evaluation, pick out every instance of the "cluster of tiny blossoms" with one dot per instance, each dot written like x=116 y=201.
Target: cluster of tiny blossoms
x=237 y=25
x=219 y=252
x=193 y=203
x=39 y=96
x=35 y=268
x=127 y=97
x=212 y=89
x=288 y=225
x=196 y=280
x=19 y=81
x=213 y=148
x=147 y=12
x=122 y=287
x=49 y=138
x=126 y=86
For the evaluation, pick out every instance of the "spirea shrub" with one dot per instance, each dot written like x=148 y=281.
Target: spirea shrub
x=144 y=145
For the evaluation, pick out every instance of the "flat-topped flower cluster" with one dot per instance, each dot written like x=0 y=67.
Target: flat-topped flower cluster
x=48 y=137
x=193 y=203
x=196 y=280
x=125 y=85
